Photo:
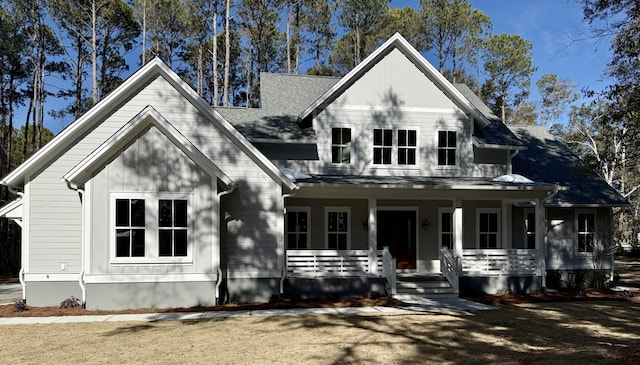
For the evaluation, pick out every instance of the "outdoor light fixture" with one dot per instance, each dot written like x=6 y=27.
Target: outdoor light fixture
x=426 y=225
x=365 y=224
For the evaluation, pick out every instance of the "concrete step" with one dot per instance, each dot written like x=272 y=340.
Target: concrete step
x=425 y=291
x=420 y=284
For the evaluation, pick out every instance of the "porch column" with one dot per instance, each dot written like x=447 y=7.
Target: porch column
x=506 y=225
x=457 y=226
x=541 y=239
x=373 y=236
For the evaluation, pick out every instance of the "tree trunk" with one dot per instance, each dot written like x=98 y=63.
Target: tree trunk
x=227 y=55
x=94 y=52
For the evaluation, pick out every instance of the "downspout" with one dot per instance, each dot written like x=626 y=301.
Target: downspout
x=81 y=282
x=284 y=253
x=19 y=193
x=510 y=163
x=232 y=187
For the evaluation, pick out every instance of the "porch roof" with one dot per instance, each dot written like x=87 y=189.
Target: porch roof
x=422 y=182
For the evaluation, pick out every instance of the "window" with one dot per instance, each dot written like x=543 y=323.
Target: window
x=446 y=228
x=298 y=228
x=172 y=227
x=488 y=228
x=341 y=145
x=150 y=227
x=338 y=228
x=586 y=231
x=382 y=146
x=530 y=229
x=446 y=148
x=130 y=228
x=407 y=142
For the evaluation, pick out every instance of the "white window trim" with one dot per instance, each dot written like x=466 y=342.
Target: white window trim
x=151 y=229
x=330 y=142
x=525 y=213
x=577 y=232
x=498 y=233
x=441 y=211
x=457 y=155
x=394 y=148
x=286 y=238
x=327 y=210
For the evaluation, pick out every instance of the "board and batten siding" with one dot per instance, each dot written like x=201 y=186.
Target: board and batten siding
x=256 y=191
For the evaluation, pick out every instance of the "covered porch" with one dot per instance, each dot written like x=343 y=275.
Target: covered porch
x=475 y=229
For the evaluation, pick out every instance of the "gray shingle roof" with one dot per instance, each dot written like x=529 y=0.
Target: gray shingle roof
x=547 y=159
x=283 y=98
x=496 y=133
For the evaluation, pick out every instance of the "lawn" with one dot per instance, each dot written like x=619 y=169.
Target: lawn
x=576 y=332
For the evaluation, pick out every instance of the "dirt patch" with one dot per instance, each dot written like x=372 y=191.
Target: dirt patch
x=9 y=310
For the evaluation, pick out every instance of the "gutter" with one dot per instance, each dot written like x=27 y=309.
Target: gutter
x=81 y=282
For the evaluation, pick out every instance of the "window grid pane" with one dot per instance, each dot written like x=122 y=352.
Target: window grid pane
x=382 y=142
x=297 y=230
x=130 y=227
x=341 y=145
x=447 y=148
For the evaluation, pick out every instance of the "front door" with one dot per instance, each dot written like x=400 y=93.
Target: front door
x=397 y=230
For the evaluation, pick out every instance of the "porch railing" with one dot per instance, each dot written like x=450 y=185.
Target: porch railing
x=389 y=270
x=328 y=263
x=450 y=268
x=497 y=262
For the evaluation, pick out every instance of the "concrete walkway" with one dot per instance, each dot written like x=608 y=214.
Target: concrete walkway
x=417 y=304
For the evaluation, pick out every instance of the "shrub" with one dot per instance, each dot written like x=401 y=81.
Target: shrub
x=72 y=302
x=20 y=306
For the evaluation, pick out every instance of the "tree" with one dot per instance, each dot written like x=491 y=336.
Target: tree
x=508 y=63
x=405 y=21
x=166 y=31
x=556 y=96
x=318 y=24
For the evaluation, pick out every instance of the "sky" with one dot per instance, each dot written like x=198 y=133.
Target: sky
x=561 y=44
x=555 y=28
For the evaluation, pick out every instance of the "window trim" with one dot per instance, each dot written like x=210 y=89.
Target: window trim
x=297 y=209
x=498 y=233
x=152 y=249
x=593 y=212
x=328 y=210
x=395 y=147
x=331 y=145
x=441 y=211
x=456 y=149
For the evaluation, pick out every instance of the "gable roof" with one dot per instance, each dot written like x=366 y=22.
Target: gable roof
x=495 y=134
x=549 y=160
x=282 y=99
x=147 y=117
x=155 y=68
x=395 y=42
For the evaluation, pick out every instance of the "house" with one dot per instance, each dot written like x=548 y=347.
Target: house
x=389 y=179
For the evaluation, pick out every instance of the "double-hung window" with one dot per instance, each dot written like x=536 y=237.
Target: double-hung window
x=338 y=233
x=298 y=228
x=447 y=148
x=586 y=231
x=382 y=146
x=341 y=145
x=446 y=228
x=407 y=146
x=172 y=228
x=488 y=226
x=130 y=227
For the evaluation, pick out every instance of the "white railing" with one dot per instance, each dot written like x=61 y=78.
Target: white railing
x=496 y=262
x=389 y=270
x=327 y=263
x=450 y=268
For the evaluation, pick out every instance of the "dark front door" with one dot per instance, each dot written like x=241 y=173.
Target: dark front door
x=397 y=230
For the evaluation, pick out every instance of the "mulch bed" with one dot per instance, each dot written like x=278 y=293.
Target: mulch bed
x=550 y=297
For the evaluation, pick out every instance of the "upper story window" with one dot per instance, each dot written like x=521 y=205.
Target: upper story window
x=341 y=145
x=407 y=145
x=586 y=231
x=447 y=148
x=402 y=149
x=382 y=146
x=298 y=227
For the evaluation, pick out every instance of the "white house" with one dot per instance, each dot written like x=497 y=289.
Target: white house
x=389 y=178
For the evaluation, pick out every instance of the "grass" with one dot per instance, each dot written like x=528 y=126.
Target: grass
x=594 y=331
